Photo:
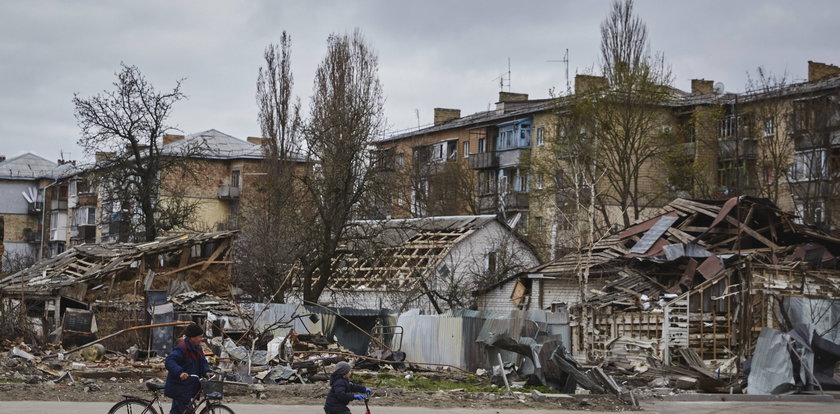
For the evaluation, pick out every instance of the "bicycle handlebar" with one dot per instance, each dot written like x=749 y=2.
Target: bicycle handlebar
x=204 y=379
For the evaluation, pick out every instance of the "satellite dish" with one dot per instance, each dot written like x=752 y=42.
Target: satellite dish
x=719 y=88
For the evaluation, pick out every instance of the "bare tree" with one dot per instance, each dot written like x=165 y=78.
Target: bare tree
x=626 y=114
x=268 y=247
x=814 y=174
x=128 y=123
x=346 y=114
x=765 y=98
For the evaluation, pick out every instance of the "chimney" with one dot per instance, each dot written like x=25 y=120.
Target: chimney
x=818 y=71
x=702 y=86
x=443 y=115
x=63 y=161
x=170 y=138
x=586 y=83
x=257 y=140
x=101 y=155
x=512 y=97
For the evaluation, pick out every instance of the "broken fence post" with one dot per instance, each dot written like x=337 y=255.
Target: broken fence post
x=504 y=376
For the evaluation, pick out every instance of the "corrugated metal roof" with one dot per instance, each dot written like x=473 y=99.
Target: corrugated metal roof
x=214 y=144
x=27 y=167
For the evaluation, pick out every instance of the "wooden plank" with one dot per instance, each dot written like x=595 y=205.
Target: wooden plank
x=754 y=234
x=219 y=249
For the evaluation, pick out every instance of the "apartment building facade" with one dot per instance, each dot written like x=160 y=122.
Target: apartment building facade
x=777 y=142
x=49 y=207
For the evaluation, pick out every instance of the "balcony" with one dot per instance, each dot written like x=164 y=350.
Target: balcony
x=511 y=157
x=84 y=234
x=491 y=203
x=58 y=204
x=483 y=160
x=32 y=236
x=35 y=208
x=227 y=192
x=742 y=149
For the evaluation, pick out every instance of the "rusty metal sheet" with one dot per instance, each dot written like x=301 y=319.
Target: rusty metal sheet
x=652 y=236
x=710 y=267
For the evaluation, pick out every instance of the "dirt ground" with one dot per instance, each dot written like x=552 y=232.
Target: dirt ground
x=307 y=394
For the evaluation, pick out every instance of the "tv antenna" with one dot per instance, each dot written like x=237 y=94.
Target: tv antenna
x=719 y=88
x=501 y=79
x=565 y=61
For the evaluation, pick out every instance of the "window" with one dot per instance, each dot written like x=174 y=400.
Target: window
x=728 y=126
x=809 y=165
x=516 y=135
x=521 y=184
x=234 y=178
x=482 y=145
x=538 y=181
x=491 y=262
x=538 y=225
x=451 y=149
x=524 y=136
x=769 y=127
x=466 y=149
x=400 y=160
x=540 y=136
x=439 y=151
x=85 y=216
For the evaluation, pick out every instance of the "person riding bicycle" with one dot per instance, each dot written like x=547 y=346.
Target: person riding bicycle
x=342 y=390
x=186 y=359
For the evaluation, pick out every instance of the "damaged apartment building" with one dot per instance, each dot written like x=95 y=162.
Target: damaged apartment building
x=700 y=275
x=51 y=207
x=720 y=144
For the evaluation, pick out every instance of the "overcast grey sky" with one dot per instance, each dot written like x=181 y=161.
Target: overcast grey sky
x=431 y=53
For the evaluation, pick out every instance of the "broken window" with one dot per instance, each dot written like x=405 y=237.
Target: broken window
x=451 y=149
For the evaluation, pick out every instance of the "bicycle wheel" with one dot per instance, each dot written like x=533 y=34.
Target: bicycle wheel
x=217 y=409
x=133 y=406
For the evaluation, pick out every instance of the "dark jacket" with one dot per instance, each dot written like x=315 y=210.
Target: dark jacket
x=341 y=393
x=189 y=359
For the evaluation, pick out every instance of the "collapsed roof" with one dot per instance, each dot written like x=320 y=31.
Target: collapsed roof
x=394 y=254
x=90 y=263
x=662 y=255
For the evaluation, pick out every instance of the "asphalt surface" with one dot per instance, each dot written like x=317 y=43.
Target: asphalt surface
x=661 y=407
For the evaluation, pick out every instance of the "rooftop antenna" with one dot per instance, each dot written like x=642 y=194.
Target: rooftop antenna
x=501 y=79
x=565 y=61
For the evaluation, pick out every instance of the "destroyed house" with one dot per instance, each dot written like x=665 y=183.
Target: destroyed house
x=429 y=263
x=701 y=275
x=113 y=276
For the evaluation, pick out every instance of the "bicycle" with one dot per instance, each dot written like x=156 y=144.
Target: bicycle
x=207 y=397
x=368 y=396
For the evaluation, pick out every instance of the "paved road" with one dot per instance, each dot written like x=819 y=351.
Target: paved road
x=661 y=407
x=40 y=407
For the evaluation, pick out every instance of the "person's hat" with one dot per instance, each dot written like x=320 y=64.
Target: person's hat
x=193 y=330
x=342 y=368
